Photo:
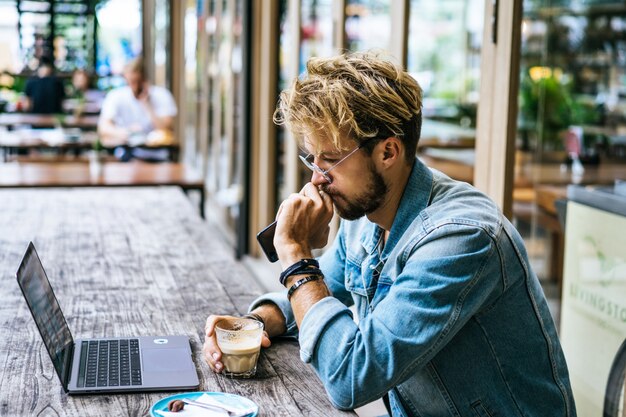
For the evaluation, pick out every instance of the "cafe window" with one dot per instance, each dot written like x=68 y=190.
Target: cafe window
x=61 y=29
x=225 y=150
x=444 y=49
x=368 y=25
x=572 y=115
x=191 y=23
x=118 y=39
x=9 y=38
x=316 y=40
x=314 y=20
x=316 y=30
x=162 y=42
x=285 y=57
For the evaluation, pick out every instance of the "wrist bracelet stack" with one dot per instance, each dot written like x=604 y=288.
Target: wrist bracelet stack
x=303 y=266
x=309 y=267
x=300 y=283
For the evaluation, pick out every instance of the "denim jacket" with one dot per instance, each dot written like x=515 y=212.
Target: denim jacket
x=452 y=321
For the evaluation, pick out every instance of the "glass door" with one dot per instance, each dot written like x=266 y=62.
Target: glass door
x=444 y=50
x=314 y=20
x=225 y=153
x=572 y=116
x=368 y=25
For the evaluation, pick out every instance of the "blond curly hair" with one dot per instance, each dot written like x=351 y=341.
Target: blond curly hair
x=357 y=96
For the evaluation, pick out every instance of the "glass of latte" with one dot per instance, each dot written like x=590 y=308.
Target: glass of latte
x=240 y=343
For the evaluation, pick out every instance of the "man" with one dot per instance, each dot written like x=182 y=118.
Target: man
x=451 y=319
x=45 y=92
x=135 y=109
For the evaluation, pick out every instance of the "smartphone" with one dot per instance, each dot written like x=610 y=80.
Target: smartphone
x=266 y=240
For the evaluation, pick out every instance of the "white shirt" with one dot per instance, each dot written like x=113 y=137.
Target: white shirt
x=121 y=106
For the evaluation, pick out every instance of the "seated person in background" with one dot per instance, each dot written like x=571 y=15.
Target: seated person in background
x=452 y=320
x=80 y=83
x=137 y=113
x=45 y=92
x=77 y=92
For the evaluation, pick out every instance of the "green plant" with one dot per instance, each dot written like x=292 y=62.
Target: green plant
x=97 y=145
x=548 y=105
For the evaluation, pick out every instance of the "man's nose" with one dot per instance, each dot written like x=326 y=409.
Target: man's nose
x=318 y=179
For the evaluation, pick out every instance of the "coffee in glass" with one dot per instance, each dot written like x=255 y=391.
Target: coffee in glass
x=240 y=343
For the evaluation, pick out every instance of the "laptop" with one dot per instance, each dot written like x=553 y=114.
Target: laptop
x=86 y=366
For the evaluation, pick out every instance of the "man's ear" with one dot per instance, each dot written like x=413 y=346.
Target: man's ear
x=391 y=151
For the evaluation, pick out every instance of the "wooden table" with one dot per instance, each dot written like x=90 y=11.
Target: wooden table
x=88 y=122
x=531 y=174
x=106 y=174
x=61 y=141
x=436 y=134
x=126 y=262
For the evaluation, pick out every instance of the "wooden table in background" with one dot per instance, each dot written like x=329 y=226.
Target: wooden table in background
x=532 y=174
x=59 y=142
x=130 y=262
x=106 y=174
x=87 y=122
x=437 y=134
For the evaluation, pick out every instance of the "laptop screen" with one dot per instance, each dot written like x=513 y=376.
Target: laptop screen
x=46 y=311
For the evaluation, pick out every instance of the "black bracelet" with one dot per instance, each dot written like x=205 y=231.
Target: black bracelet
x=300 y=283
x=305 y=271
x=299 y=267
x=254 y=316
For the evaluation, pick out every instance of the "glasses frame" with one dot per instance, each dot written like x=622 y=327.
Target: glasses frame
x=324 y=173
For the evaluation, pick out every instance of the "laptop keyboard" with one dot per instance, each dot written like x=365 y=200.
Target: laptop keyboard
x=109 y=363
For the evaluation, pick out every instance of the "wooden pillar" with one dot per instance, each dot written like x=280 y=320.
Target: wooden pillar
x=497 y=110
x=400 y=10
x=177 y=53
x=147 y=37
x=264 y=91
x=339 y=26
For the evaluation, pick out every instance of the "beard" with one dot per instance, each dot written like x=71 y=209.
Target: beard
x=352 y=208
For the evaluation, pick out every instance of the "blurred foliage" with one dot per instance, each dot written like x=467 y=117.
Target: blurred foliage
x=14 y=82
x=97 y=145
x=548 y=104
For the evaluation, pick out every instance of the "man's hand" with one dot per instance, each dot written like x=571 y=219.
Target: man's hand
x=211 y=351
x=302 y=225
x=112 y=135
x=144 y=94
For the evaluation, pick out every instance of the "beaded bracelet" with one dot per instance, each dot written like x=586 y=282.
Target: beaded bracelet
x=298 y=268
x=300 y=283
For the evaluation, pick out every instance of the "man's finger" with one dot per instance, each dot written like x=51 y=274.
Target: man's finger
x=265 y=340
x=209 y=327
x=212 y=355
x=326 y=200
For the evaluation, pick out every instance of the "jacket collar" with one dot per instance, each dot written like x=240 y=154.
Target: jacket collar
x=414 y=199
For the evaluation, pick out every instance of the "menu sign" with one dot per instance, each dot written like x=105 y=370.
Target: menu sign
x=593 y=310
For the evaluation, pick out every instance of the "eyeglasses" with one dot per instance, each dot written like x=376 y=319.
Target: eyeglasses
x=308 y=161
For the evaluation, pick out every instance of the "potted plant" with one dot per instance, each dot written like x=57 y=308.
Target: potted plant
x=548 y=109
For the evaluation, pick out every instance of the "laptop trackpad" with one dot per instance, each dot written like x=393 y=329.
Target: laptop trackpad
x=165 y=360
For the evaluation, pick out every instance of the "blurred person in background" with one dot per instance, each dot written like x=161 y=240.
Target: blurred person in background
x=44 y=92
x=80 y=83
x=138 y=113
